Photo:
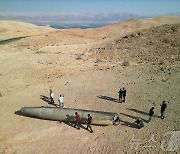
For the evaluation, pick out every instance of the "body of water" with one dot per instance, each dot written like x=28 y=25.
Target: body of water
x=69 y=26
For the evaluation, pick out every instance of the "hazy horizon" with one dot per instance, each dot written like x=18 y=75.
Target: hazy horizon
x=84 y=11
x=138 y=7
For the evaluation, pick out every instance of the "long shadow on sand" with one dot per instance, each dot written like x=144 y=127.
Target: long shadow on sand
x=108 y=98
x=12 y=40
x=72 y=125
x=133 y=117
x=129 y=124
x=46 y=99
x=141 y=112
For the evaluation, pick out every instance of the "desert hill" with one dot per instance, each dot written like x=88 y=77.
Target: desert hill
x=88 y=67
x=151 y=45
x=13 y=29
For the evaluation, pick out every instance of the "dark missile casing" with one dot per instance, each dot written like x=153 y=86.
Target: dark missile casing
x=68 y=115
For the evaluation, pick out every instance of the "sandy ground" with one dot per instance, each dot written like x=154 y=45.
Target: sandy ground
x=74 y=63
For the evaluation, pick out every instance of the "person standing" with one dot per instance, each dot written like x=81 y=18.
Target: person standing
x=124 y=94
x=77 y=120
x=51 y=97
x=120 y=95
x=163 y=108
x=89 y=119
x=61 y=101
x=151 y=113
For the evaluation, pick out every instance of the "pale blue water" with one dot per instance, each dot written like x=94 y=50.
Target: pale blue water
x=68 y=26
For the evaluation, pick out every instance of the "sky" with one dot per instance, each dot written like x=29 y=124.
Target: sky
x=138 y=7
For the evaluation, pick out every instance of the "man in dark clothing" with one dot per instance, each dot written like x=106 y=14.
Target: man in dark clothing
x=163 y=108
x=151 y=113
x=77 y=120
x=124 y=94
x=89 y=119
x=139 y=123
x=120 y=95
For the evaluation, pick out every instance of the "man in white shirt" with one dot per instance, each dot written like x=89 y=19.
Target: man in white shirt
x=61 y=101
x=51 y=97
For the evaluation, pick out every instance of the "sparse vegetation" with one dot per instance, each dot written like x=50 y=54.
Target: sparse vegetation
x=125 y=63
x=79 y=57
x=148 y=46
x=161 y=62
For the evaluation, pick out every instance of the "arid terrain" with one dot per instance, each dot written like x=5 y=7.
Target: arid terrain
x=88 y=67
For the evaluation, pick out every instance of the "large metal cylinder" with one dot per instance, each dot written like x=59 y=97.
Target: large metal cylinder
x=68 y=115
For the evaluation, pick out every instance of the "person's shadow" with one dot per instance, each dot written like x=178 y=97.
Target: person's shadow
x=70 y=121
x=108 y=98
x=133 y=117
x=132 y=125
x=129 y=124
x=73 y=123
x=141 y=112
x=46 y=99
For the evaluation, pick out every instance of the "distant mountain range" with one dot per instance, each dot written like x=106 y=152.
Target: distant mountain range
x=74 y=20
x=69 y=18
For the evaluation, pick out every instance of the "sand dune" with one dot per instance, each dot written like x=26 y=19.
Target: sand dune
x=88 y=67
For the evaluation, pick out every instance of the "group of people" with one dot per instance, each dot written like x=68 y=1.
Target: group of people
x=139 y=121
x=77 y=120
x=60 y=99
x=122 y=98
x=163 y=108
x=122 y=95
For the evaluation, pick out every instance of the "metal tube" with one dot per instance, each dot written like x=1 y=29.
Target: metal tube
x=67 y=114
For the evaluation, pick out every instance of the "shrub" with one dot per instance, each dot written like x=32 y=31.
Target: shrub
x=125 y=63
